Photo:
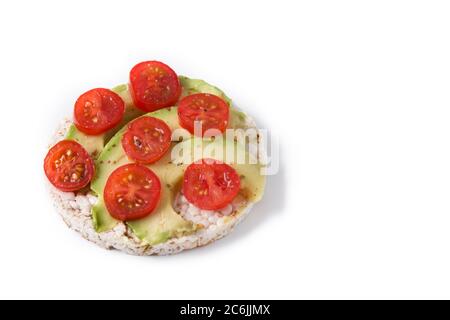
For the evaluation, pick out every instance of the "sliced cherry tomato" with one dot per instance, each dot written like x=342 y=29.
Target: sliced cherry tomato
x=98 y=110
x=132 y=192
x=154 y=85
x=146 y=140
x=208 y=110
x=210 y=185
x=68 y=166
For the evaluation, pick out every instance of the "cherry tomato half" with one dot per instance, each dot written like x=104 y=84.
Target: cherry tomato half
x=154 y=85
x=98 y=110
x=68 y=166
x=210 y=185
x=132 y=192
x=146 y=140
x=209 y=110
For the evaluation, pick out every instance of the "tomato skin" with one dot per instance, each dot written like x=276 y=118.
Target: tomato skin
x=146 y=140
x=132 y=192
x=211 y=110
x=154 y=85
x=68 y=166
x=210 y=185
x=98 y=110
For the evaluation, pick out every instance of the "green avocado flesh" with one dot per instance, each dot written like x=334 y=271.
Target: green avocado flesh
x=229 y=152
x=165 y=223
x=191 y=86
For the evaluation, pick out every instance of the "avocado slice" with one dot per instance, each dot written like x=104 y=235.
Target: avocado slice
x=161 y=225
x=230 y=152
x=191 y=86
x=92 y=144
x=166 y=224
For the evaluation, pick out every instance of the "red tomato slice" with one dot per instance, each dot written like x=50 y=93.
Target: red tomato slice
x=146 y=140
x=98 y=110
x=154 y=85
x=210 y=185
x=132 y=192
x=68 y=166
x=208 y=109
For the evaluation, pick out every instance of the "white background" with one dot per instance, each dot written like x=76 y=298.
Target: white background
x=357 y=91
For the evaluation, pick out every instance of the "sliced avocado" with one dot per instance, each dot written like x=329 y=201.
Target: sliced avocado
x=92 y=144
x=238 y=119
x=113 y=155
x=131 y=112
x=229 y=152
x=164 y=223
x=191 y=86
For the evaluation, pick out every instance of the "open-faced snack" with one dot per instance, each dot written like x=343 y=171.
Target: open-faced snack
x=155 y=166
